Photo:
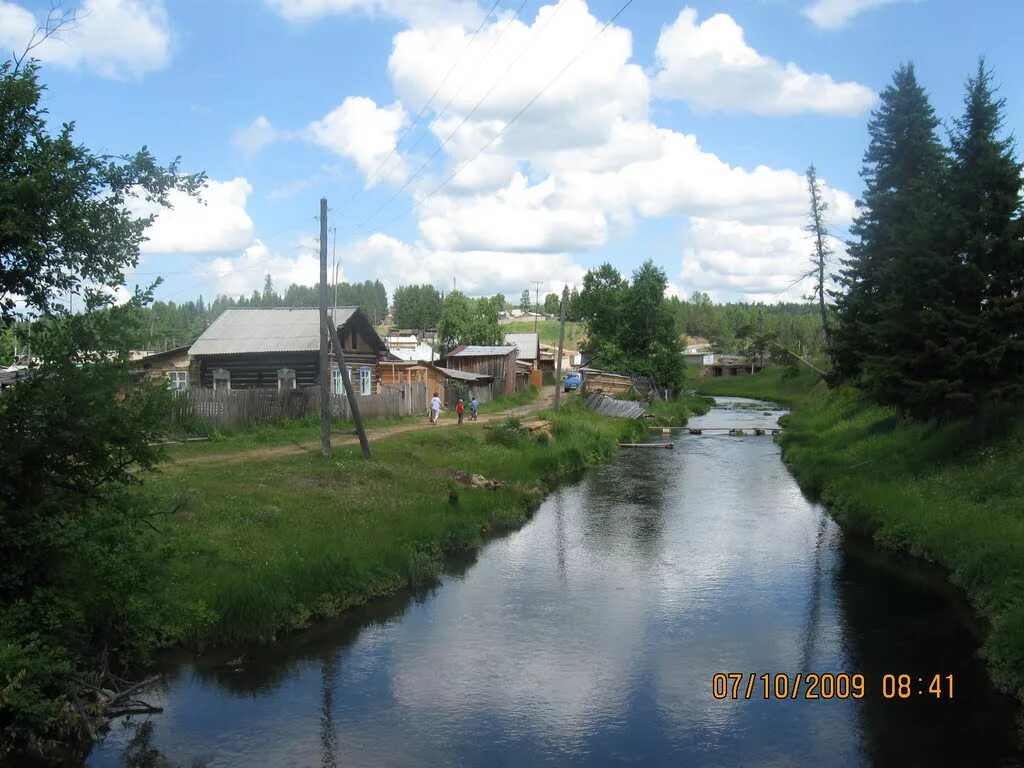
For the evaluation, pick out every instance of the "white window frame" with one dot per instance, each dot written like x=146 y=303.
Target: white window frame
x=286 y=374
x=365 y=380
x=177 y=380
x=337 y=381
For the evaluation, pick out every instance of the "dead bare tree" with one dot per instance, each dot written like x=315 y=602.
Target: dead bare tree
x=58 y=18
x=817 y=227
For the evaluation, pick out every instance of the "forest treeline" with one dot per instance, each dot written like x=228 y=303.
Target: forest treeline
x=166 y=324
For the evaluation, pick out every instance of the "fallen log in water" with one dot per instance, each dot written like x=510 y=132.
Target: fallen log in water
x=646 y=445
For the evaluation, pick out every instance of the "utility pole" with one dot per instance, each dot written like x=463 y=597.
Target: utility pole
x=536 y=307
x=329 y=334
x=561 y=345
x=334 y=314
x=353 y=401
x=325 y=372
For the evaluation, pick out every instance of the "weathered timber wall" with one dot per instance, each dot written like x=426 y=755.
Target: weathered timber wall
x=609 y=406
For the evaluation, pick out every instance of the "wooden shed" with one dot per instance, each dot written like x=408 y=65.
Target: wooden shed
x=496 y=362
x=449 y=384
x=171 y=365
x=279 y=348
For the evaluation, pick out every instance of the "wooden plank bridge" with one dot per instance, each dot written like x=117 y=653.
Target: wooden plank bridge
x=734 y=431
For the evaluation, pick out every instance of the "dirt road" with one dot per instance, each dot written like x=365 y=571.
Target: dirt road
x=545 y=399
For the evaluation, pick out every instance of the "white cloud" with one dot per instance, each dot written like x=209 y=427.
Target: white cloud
x=712 y=68
x=575 y=111
x=417 y=12
x=114 y=38
x=831 y=14
x=217 y=222
x=484 y=272
x=761 y=262
x=255 y=136
x=517 y=218
x=246 y=272
x=364 y=133
x=584 y=159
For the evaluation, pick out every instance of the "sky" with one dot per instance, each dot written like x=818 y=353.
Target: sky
x=493 y=144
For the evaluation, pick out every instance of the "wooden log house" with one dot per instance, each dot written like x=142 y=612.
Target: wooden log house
x=278 y=348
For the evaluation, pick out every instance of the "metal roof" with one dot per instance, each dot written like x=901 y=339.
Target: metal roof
x=470 y=351
x=462 y=375
x=526 y=342
x=278 y=329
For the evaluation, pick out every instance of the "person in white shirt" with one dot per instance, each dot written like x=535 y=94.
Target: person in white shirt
x=435 y=408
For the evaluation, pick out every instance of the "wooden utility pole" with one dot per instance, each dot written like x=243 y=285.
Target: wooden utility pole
x=536 y=308
x=561 y=345
x=329 y=338
x=325 y=371
x=353 y=401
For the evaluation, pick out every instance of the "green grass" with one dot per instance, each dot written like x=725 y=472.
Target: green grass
x=951 y=494
x=266 y=546
x=675 y=413
x=269 y=435
x=503 y=402
x=548 y=331
x=782 y=384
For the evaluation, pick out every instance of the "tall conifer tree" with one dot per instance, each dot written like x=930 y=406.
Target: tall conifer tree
x=985 y=193
x=897 y=278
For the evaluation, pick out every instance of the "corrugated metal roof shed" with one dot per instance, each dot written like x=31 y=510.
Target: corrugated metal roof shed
x=279 y=329
x=462 y=375
x=526 y=342
x=471 y=351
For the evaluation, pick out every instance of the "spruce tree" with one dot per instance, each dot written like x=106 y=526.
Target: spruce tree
x=893 y=336
x=985 y=193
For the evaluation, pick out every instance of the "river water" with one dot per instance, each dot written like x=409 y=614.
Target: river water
x=591 y=637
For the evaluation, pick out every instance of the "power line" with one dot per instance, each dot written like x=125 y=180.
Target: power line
x=466 y=118
x=476 y=70
x=518 y=114
x=372 y=179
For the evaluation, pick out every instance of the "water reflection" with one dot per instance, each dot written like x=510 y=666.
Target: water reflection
x=591 y=636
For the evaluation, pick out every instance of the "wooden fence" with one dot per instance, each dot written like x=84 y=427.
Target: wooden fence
x=241 y=407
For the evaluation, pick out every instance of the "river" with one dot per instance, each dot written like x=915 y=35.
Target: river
x=591 y=637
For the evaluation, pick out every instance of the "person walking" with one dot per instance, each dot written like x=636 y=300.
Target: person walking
x=435 y=408
x=474 y=406
x=460 y=409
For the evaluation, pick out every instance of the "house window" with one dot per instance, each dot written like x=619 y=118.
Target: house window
x=285 y=379
x=354 y=340
x=337 y=382
x=222 y=380
x=365 y=381
x=177 y=380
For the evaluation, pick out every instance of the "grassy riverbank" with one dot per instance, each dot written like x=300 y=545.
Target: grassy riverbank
x=675 y=413
x=784 y=385
x=266 y=546
x=950 y=494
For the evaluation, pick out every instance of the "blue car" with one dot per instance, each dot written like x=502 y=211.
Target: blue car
x=573 y=380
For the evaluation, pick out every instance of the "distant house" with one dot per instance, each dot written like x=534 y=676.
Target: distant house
x=405 y=346
x=697 y=350
x=11 y=374
x=728 y=365
x=279 y=349
x=171 y=365
x=528 y=346
x=497 y=362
